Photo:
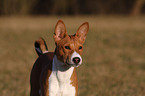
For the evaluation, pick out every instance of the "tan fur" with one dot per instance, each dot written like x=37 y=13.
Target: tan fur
x=74 y=81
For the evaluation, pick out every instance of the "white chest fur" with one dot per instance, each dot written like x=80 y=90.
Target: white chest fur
x=59 y=80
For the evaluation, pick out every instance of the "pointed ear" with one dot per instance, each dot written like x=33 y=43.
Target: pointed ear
x=60 y=31
x=82 y=32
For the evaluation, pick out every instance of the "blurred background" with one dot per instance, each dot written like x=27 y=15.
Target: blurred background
x=114 y=51
x=71 y=7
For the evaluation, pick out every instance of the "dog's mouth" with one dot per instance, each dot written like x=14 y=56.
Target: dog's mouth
x=73 y=61
x=72 y=65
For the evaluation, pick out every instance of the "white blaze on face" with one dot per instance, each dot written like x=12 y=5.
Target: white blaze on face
x=74 y=55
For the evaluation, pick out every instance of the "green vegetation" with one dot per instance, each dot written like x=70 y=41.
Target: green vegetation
x=113 y=58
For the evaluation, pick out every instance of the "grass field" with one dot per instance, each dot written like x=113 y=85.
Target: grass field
x=113 y=58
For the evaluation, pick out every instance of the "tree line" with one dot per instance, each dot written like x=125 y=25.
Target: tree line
x=71 y=7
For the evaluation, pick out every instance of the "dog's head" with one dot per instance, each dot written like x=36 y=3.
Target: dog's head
x=69 y=48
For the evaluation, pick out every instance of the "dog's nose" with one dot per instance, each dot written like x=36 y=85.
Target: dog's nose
x=76 y=60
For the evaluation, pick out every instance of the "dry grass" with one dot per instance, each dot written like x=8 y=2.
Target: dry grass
x=114 y=54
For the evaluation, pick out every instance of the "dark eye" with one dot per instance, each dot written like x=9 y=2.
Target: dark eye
x=67 y=47
x=80 y=47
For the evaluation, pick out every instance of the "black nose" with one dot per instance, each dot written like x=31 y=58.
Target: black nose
x=76 y=60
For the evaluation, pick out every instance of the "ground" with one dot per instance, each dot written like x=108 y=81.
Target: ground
x=113 y=58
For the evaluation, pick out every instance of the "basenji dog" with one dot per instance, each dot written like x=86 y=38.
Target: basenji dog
x=54 y=73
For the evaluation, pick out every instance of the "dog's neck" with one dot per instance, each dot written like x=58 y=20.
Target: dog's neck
x=59 y=66
x=62 y=71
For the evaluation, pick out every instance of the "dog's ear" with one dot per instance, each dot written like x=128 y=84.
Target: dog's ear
x=82 y=32
x=60 y=31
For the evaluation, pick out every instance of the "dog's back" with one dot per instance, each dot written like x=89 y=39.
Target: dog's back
x=40 y=68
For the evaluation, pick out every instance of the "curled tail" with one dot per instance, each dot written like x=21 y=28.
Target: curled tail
x=40 y=46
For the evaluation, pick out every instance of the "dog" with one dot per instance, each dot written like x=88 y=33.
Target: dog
x=54 y=73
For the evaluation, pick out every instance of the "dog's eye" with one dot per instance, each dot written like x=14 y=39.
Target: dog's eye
x=67 y=47
x=80 y=47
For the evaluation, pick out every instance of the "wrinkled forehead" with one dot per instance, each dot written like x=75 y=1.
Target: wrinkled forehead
x=74 y=40
x=71 y=40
